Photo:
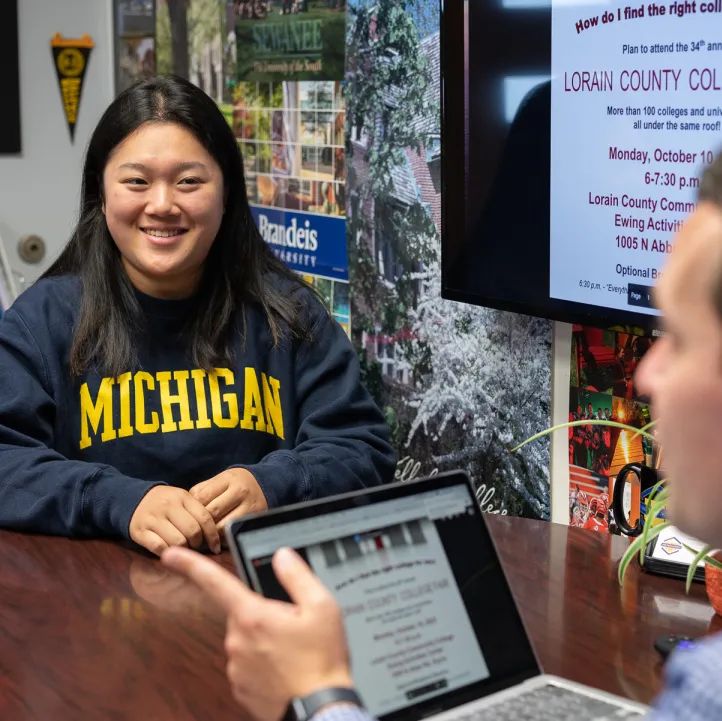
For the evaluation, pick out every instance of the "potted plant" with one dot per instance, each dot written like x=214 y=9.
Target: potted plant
x=652 y=527
x=655 y=521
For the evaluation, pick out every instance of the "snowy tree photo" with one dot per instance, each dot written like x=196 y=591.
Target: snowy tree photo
x=459 y=384
x=486 y=388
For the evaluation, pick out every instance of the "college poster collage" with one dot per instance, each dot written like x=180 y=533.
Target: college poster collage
x=602 y=389
x=275 y=69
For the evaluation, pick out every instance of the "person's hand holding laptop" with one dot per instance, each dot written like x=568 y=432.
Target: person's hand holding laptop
x=433 y=628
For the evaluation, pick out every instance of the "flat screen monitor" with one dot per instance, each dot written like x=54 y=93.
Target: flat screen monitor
x=574 y=134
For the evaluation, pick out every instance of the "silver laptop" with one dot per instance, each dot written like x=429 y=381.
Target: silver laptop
x=433 y=628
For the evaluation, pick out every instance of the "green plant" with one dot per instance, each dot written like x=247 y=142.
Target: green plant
x=654 y=521
x=703 y=554
x=656 y=502
x=658 y=499
x=644 y=431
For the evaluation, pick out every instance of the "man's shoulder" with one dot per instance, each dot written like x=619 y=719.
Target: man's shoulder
x=703 y=659
x=692 y=679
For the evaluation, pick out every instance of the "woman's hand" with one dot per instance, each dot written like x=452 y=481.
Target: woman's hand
x=169 y=516
x=230 y=494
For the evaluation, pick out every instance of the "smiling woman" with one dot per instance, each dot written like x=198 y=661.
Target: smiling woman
x=168 y=373
x=164 y=207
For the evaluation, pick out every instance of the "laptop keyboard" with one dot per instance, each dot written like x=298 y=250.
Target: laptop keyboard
x=551 y=703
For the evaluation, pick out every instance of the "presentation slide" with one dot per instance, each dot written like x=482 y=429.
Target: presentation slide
x=406 y=621
x=636 y=113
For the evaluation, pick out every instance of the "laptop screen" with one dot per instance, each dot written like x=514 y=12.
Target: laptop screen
x=429 y=617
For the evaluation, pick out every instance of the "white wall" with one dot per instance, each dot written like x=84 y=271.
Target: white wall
x=40 y=188
x=561 y=369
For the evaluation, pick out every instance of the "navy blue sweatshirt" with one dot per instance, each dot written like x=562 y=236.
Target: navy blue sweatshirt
x=77 y=454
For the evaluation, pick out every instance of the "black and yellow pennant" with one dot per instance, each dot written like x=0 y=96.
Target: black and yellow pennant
x=70 y=56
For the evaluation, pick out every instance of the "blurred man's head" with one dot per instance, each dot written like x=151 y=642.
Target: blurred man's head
x=682 y=372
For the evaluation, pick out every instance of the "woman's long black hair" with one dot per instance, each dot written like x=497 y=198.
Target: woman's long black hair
x=237 y=269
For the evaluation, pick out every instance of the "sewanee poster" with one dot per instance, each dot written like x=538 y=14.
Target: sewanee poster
x=289 y=39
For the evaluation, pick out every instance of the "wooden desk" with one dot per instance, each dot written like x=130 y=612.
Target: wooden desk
x=96 y=630
x=582 y=625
